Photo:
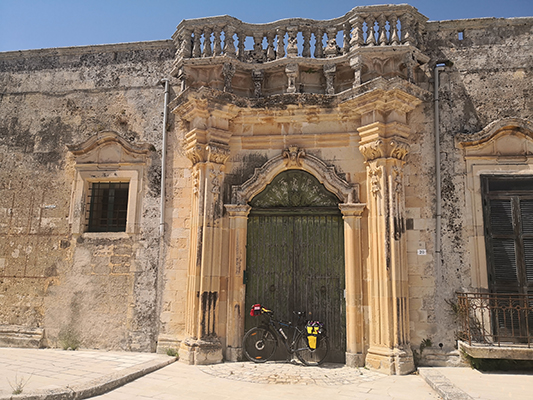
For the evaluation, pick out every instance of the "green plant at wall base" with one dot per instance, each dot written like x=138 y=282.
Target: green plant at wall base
x=18 y=387
x=417 y=354
x=69 y=339
x=172 y=352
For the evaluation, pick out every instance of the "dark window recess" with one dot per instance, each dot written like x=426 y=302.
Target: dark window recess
x=508 y=215
x=107 y=204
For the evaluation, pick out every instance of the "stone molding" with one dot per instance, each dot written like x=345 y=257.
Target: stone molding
x=494 y=130
x=107 y=137
x=295 y=158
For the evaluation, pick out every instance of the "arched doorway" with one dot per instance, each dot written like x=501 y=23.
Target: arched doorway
x=295 y=254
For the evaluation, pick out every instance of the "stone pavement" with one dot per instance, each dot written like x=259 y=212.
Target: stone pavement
x=56 y=374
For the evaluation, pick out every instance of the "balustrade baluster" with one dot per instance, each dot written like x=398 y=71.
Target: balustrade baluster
x=346 y=43
x=370 y=38
x=270 y=53
x=319 y=51
x=357 y=32
x=306 y=49
x=197 y=45
x=258 y=53
x=394 y=39
x=292 y=43
x=207 y=43
x=382 y=22
x=280 y=51
x=407 y=33
x=229 y=42
x=217 y=48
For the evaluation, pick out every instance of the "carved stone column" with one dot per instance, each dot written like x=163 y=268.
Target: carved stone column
x=384 y=147
x=238 y=217
x=354 y=284
x=356 y=63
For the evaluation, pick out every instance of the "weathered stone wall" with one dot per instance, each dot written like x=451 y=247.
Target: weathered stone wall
x=491 y=79
x=100 y=291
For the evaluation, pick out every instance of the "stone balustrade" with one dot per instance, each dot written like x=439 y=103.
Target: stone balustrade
x=386 y=25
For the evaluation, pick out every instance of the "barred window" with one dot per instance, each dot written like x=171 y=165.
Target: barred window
x=107 y=206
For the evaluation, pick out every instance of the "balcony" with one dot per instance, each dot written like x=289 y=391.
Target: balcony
x=299 y=55
x=496 y=325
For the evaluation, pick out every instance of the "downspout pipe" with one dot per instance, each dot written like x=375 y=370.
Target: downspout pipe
x=164 y=82
x=439 y=67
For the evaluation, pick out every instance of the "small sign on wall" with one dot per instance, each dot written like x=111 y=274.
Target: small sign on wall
x=421 y=252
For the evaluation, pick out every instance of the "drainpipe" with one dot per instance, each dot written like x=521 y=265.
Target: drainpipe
x=163 y=160
x=439 y=67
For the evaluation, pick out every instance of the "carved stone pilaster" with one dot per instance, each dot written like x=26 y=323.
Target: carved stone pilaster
x=228 y=71
x=356 y=63
x=384 y=147
x=257 y=78
x=329 y=73
x=292 y=74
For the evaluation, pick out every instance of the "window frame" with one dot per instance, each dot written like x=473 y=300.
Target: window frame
x=88 y=174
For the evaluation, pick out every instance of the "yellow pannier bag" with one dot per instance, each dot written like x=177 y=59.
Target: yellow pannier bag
x=312 y=332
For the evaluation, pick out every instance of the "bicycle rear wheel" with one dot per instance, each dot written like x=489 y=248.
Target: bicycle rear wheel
x=259 y=344
x=310 y=356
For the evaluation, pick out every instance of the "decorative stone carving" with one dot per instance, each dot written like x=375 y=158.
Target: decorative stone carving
x=292 y=73
x=372 y=150
x=217 y=154
x=374 y=178
x=332 y=50
x=196 y=153
x=399 y=149
x=292 y=44
x=346 y=192
x=293 y=156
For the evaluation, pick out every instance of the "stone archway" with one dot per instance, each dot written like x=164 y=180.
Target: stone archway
x=348 y=194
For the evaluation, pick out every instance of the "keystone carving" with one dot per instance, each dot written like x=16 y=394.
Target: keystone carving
x=293 y=156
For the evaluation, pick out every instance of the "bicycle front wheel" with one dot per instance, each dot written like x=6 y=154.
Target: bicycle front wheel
x=259 y=344
x=310 y=356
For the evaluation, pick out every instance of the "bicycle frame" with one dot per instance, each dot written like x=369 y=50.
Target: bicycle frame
x=277 y=327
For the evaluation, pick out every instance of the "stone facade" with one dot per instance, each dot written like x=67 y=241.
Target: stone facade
x=355 y=109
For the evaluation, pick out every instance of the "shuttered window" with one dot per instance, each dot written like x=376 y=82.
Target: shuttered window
x=508 y=213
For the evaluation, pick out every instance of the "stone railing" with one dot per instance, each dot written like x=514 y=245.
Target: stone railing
x=387 y=25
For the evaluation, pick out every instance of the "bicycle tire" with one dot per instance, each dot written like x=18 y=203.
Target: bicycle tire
x=259 y=344
x=308 y=356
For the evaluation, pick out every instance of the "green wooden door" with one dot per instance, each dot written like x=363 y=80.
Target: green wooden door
x=295 y=254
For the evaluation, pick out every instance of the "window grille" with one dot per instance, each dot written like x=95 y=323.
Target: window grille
x=107 y=205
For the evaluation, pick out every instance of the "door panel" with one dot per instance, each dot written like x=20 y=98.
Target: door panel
x=296 y=262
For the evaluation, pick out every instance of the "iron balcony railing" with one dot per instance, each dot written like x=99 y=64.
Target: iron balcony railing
x=495 y=319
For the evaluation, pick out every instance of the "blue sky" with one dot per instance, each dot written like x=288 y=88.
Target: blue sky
x=33 y=24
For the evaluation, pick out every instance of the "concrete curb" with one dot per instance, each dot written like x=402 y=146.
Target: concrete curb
x=442 y=385
x=95 y=387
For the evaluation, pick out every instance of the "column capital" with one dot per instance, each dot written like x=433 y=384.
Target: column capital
x=352 y=209
x=237 y=210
